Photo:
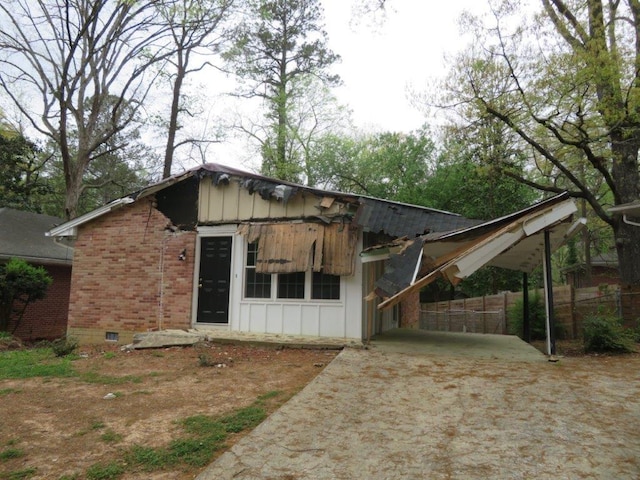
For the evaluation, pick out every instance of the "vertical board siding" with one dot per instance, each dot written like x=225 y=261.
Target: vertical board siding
x=233 y=203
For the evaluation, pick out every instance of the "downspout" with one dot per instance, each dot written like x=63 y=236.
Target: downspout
x=161 y=290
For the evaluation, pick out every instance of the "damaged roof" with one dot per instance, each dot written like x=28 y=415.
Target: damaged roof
x=514 y=242
x=402 y=220
x=372 y=215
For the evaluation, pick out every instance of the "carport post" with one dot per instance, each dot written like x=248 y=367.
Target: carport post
x=526 y=328
x=548 y=293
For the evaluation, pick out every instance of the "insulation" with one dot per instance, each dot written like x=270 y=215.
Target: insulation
x=298 y=247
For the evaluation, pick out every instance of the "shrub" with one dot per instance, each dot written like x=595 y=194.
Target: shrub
x=537 y=318
x=20 y=285
x=64 y=346
x=605 y=333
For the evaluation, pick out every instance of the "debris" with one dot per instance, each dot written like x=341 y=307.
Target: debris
x=109 y=396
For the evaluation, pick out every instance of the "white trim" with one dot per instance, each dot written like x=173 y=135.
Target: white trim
x=70 y=228
x=217 y=230
x=227 y=230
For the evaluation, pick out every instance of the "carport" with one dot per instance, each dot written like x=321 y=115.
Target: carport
x=520 y=241
x=456 y=344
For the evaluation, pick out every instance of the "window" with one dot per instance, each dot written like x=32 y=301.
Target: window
x=325 y=287
x=291 y=285
x=257 y=285
x=295 y=286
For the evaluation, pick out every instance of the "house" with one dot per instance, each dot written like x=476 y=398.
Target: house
x=219 y=248
x=604 y=271
x=22 y=235
x=216 y=247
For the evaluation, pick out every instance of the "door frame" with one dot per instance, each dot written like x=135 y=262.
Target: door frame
x=217 y=231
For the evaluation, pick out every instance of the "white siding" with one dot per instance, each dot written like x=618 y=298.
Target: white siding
x=332 y=318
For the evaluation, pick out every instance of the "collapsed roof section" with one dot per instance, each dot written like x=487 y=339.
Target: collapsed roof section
x=177 y=200
x=514 y=242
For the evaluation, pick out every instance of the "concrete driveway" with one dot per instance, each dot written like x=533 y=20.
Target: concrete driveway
x=463 y=411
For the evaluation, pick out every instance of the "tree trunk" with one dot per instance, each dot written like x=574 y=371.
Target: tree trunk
x=627 y=237
x=173 y=118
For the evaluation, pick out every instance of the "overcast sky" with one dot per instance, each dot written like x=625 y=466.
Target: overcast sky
x=379 y=64
x=380 y=61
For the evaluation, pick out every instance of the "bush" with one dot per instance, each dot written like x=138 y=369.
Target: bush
x=537 y=318
x=20 y=285
x=64 y=346
x=605 y=333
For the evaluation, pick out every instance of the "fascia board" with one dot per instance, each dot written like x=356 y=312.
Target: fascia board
x=545 y=219
x=70 y=228
x=474 y=260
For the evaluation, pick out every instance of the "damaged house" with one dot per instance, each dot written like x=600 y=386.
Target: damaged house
x=219 y=248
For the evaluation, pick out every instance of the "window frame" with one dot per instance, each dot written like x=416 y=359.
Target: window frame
x=274 y=284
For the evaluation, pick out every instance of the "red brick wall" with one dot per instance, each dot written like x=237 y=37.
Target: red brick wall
x=410 y=311
x=46 y=319
x=127 y=277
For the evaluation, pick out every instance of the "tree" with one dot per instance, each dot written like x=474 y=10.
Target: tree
x=192 y=26
x=20 y=285
x=282 y=42
x=21 y=166
x=388 y=165
x=568 y=85
x=465 y=181
x=79 y=67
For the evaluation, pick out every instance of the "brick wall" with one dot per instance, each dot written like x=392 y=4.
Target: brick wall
x=127 y=276
x=46 y=319
x=410 y=311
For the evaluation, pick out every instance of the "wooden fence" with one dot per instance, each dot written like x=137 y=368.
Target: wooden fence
x=489 y=314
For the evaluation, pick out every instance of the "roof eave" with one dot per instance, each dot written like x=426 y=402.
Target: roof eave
x=70 y=228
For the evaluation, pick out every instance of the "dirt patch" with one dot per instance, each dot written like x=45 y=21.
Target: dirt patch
x=64 y=425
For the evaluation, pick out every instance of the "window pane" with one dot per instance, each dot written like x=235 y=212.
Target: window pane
x=291 y=285
x=325 y=287
x=257 y=285
x=252 y=254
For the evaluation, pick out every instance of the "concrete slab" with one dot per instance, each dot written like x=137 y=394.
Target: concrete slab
x=169 y=338
x=438 y=414
x=470 y=345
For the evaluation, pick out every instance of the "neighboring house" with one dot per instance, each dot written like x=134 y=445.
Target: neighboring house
x=604 y=271
x=22 y=235
x=217 y=247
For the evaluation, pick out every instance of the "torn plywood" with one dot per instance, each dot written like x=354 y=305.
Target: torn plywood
x=339 y=249
x=297 y=247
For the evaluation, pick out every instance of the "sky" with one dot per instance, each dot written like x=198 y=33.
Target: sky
x=381 y=61
x=379 y=64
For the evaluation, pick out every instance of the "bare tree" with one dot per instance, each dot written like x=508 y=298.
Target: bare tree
x=197 y=30
x=62 y=63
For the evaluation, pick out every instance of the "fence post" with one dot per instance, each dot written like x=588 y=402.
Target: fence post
x=574 y=320
x=504 y=309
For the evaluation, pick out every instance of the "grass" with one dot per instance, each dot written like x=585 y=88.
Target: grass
x=9 y=453
x=110 y=437
x=37 y=362
x=42 y=362
x=23 y=474
x=95 y=377
x=204 y=435
x=105 y=471
x=7 y=391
